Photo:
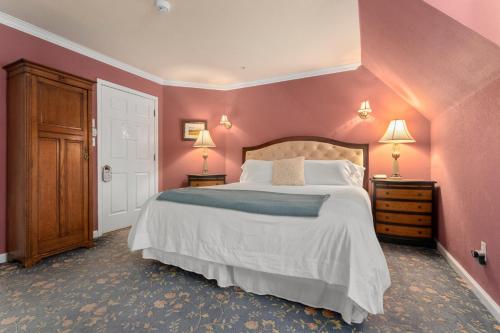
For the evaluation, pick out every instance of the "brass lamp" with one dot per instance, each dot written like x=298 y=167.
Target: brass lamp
x=204 y=141
x=224 y=120
x=364 y=110
x=396 y=133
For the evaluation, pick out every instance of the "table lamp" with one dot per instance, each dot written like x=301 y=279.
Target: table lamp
x=396 y=133
x=204 y=141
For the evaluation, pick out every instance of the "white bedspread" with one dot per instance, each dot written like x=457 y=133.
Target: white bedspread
x=339 y=247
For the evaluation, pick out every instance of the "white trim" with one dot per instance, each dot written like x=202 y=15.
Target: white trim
x=46 y=35
x=293 y=76
x=3 y=258
x=483 y=296
x=33 y=30
x=100 y=84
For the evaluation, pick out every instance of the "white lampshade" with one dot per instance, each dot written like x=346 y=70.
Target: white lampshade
x=397 y=132
x=204 y=140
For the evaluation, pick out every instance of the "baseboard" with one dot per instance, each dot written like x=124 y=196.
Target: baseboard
x=3 y=258
x=483 y=296
x=97 y=234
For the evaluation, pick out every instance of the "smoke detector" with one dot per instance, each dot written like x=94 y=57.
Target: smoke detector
x=163 y=6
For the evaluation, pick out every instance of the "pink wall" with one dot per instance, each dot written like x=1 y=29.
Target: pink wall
x=326 y=106
x=481 y=16
x=180 y=158
x=17 y=45
x=452 y=75
x=323 y=106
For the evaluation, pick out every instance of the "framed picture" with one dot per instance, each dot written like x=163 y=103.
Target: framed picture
x=191 y=129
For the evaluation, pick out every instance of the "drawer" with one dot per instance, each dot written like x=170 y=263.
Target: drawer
x=395 y=230
x=198 y=183
x=391 y=193
x=403 y=218
x=418 y=207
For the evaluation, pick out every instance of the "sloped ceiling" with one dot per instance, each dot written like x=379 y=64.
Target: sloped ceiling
x=217 y=42
x=429 y=59
x=481 y=16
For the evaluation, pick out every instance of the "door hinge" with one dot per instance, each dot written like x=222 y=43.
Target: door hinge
x=154 y=157
x=154 y=112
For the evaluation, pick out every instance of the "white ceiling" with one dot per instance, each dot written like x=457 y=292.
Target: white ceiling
x=204 y=41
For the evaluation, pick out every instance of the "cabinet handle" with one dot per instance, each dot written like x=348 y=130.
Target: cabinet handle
x=419 y=194
x=386 y=229
x=85 y=154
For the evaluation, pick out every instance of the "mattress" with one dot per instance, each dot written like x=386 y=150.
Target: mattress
x=336 y=252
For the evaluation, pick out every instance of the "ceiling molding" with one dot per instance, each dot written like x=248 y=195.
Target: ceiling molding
x=48 y=36
x=293 y=76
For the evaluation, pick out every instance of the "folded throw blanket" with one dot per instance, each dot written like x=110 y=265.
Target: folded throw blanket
x=257 y=202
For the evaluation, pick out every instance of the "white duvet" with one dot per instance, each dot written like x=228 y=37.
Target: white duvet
x=338 y=248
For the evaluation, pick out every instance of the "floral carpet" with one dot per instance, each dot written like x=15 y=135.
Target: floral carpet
x=109 y=289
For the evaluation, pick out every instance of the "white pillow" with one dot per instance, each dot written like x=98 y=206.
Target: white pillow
x=257 y=172
x=336 y=172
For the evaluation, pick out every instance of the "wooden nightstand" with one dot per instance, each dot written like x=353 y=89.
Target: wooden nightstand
x=197 y=180
x=404 y=211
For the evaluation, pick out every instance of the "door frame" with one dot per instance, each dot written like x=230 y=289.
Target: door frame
x=100 y=84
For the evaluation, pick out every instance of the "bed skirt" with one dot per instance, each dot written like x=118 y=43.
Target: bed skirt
x=310 y=292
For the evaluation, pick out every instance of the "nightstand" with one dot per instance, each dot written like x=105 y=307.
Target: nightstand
x=404 y=211
x=197 y=180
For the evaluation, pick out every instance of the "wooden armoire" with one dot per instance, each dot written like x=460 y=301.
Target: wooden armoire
x=49 y=178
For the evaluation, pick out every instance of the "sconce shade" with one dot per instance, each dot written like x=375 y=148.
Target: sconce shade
x=364 y=109
x=224 y=120
x=204 y=140
x=397 y=132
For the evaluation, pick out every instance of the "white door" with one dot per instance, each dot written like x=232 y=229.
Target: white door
x=127 y=149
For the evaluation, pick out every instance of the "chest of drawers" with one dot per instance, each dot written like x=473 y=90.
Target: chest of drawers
x=404 y=211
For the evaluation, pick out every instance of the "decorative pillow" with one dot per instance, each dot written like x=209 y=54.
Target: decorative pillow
x=289 y=171
x=257 y=172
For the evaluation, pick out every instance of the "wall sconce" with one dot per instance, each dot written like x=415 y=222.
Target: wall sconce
x=364 y=110
x=224 y=120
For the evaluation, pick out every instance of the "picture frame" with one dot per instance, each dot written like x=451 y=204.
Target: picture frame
x=191 y=129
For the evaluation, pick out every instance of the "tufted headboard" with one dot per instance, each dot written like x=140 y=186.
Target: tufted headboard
x=312 y=148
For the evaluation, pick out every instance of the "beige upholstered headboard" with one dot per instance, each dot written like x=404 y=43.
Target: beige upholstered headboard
x=312 y=148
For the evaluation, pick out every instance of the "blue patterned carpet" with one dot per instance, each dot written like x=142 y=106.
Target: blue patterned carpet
x=109 y=289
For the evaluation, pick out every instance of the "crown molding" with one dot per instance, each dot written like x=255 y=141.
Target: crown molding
x=48 y=36
x=293 y=76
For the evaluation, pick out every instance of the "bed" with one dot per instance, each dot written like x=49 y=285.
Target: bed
x=332 y=261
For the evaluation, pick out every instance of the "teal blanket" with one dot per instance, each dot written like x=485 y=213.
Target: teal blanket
x=257 y=202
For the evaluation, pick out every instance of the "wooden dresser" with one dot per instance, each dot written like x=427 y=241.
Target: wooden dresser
x=49 y=179
x=404 y=211
x=197 y=180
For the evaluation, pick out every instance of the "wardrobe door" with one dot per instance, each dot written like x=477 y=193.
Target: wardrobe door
x=63 y=170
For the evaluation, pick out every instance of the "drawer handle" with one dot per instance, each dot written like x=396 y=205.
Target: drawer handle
x=387 y=205
x=420 y=232
x=419 y=207
x=386 y=229
x=387 y=193
x=419 y=220
x=420 y=194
